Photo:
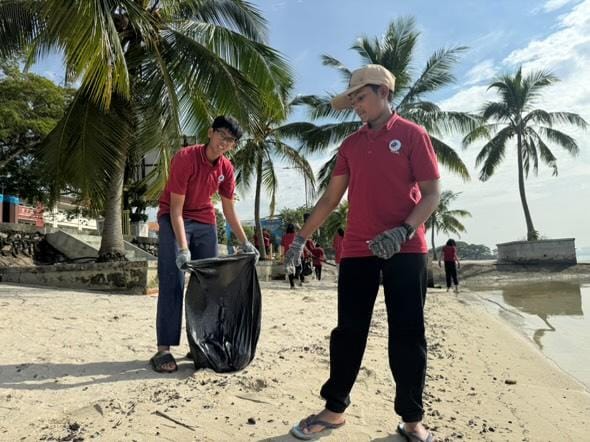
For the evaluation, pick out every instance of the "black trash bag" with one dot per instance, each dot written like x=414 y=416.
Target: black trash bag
x=222 y=308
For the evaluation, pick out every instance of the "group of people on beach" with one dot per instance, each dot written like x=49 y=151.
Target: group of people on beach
x=390 y=171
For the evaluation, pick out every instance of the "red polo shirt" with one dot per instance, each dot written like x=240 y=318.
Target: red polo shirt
x=192 y=175
x=384 y=167
x=450 y=253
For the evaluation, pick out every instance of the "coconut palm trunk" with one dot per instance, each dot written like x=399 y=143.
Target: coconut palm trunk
x=434 y=257
x=259 y=234
x=531 y=232
x=112 y=247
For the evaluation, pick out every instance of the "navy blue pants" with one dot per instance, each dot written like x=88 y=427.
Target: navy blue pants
x=202 y=242
x=404 y=283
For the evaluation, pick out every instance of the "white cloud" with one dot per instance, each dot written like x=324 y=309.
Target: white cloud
x=570 y=40
x=554 y=5
x=483 y=71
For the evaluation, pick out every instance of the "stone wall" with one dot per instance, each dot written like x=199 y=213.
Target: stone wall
x=559 y=251
x=134 y=277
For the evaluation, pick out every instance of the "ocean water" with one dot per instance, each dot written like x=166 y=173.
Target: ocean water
x=555 y=315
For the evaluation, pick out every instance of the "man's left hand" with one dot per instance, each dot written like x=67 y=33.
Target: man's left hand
x=388 y=243
x=248 y=247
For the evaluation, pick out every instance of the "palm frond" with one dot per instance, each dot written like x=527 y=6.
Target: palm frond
x=237 y=15
x=496 y=110
x=20 y=24
x=325 y=172
x=369 y=49
x=561 y=139
x=448 y=157
x=81 y=150
x=438 y=122
x=320 y=107
x=270 y=183
x=314 y=138
x=436 y=74
x=331 y=61
x=481 y=132
x=492 y=153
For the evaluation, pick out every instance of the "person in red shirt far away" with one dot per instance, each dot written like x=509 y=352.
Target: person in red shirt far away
x=452 y=263
x=337 y=245
x=390 y=170
x=288 y=238
x=188 y=225
x=318 y=257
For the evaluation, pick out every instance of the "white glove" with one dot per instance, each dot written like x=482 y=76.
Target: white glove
x=184 y=256
x=248 y=247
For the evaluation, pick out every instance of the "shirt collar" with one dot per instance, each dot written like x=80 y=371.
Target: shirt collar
x=387 y=126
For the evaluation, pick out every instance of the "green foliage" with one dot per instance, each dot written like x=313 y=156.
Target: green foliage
x=30 y=107
x=146 y=70
x=471 y=251
x=293 y=216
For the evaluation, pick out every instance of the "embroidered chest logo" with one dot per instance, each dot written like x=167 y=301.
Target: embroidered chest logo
x=220 y=178
x=395 y=146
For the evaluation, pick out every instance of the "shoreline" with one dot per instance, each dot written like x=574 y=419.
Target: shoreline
x=84 y=372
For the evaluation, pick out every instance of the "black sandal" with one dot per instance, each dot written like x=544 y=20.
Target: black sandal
x=163 y=358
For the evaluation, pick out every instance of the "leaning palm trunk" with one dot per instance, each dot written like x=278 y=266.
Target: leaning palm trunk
x=259 y=234
x=112 y=247
x=531 y=232
x=434 y=257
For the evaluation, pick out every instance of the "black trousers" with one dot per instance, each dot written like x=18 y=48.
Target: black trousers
x=451 y=273
x=298 y=275
x=404 y=281
x=318 y=272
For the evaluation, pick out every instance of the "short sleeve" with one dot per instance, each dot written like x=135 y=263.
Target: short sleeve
x=181 y=170
x=423 y=158
x=341 y=167
x=228 y=185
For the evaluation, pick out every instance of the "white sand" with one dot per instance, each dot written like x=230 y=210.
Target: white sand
x=74 y=365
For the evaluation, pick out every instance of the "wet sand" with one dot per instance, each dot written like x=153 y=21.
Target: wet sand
x=74 y=367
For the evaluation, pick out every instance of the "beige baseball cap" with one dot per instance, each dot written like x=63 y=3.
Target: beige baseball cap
x=370 y=74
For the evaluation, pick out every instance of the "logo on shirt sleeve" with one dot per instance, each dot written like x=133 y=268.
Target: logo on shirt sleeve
x=220 y=178
x=395 y=146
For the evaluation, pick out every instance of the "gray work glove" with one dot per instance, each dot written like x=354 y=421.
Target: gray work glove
x=388 y=243
x=184 y=256
x=293 y=255
x=248 y=247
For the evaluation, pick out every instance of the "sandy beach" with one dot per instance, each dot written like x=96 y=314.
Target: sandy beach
x=74 y=367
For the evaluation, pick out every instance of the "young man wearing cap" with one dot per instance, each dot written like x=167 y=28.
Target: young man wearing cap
x=390 y=170
x=188 y=225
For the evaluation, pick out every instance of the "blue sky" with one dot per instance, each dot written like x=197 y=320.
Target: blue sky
x=552 y=34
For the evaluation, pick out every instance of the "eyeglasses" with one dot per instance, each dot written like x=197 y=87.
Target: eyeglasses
x=226 y=138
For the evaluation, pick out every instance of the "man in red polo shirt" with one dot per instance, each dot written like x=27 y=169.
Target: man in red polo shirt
x=188 y=225
x=390 y=170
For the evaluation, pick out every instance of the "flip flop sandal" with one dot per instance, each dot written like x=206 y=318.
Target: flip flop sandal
x=310 y=421
x=412 y=437
x=162 y=358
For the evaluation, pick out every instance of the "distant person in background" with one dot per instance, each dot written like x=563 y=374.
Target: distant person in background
x=285 y=244
x=266 y=236
x=318 y=257
x=337 y=244
x=452 y=263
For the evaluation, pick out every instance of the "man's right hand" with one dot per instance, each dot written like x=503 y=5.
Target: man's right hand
x=184 y=256
x=293 y=255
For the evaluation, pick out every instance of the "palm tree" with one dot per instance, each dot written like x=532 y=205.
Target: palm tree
x=255 y=161
x=395 y=51
x=148 y=70
x=514 y=117
x=444 y=219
